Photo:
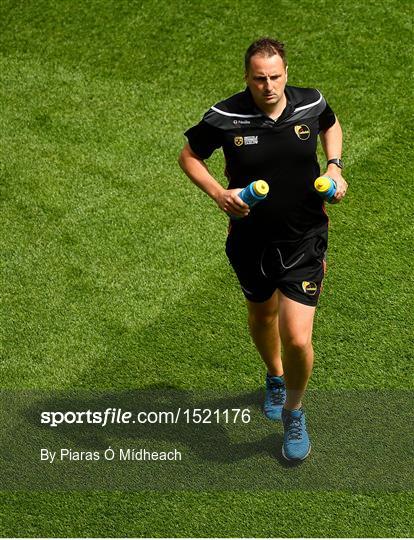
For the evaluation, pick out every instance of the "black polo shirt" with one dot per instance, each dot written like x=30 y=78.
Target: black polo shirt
x=282 y=152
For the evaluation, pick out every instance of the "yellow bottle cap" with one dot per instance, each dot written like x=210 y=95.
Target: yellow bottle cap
x=261 y=187
x=322 y=184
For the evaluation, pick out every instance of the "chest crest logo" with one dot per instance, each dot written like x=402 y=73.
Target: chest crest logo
x=238 y=141
x=303 y=132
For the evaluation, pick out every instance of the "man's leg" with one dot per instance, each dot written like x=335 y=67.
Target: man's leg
x=295 y=327
x=264 y=328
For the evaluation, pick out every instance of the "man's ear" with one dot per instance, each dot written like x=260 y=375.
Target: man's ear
x=287 y=73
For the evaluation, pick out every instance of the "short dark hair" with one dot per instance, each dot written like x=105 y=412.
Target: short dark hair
x=265 y=46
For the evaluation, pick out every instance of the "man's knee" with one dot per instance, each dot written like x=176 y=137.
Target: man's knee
x=296 y=325
x=262 y=318
x=263 y=313
x=299 y=341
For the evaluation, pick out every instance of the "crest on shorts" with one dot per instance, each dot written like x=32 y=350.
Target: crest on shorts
x=238 y=141
x=303 y=132
x=309 y=287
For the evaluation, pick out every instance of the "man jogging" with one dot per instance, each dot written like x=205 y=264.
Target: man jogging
x=277 y=248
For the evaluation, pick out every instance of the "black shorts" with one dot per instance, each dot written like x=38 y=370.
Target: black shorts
x=297 y=269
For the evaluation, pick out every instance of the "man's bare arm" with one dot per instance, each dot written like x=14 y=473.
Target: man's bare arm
x=197 y=171
x=331 y=140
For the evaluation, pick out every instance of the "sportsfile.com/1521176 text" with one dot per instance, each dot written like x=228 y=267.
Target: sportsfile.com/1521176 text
x=113 y=416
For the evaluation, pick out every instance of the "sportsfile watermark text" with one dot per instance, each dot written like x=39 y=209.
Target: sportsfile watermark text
x=116 y=416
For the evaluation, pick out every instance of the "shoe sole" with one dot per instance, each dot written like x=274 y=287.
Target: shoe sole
x=296 y=459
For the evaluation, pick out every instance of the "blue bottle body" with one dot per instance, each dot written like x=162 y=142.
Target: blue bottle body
x=255 y=192
x=249 y=195
x=329 y=195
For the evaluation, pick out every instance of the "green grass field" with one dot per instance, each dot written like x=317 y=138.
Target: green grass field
x=113 y=270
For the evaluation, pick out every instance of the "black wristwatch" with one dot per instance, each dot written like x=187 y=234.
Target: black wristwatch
x=338 y=162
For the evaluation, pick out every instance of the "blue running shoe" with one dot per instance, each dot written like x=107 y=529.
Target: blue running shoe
x=296 y=443
x=275 y=397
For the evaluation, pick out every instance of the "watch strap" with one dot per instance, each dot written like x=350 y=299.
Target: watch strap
x=337 y=161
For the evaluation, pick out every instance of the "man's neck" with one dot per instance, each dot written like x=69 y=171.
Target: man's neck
x=275 y=111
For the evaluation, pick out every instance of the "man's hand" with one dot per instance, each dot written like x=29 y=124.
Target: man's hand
x=229 y=201
x=341 y=185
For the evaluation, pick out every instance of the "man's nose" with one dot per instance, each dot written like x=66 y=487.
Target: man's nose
x=267 y=82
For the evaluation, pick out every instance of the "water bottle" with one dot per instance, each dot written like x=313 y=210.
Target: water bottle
x=326 y=187
x=253 y=193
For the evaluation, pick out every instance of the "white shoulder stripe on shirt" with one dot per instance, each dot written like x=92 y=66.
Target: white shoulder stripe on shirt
x=236 y=115
x=310 y=104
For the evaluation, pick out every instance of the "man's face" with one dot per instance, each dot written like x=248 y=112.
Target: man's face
x=266 y=78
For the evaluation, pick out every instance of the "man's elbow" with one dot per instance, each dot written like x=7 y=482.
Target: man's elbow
x=186 y=156
x=181 y=158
